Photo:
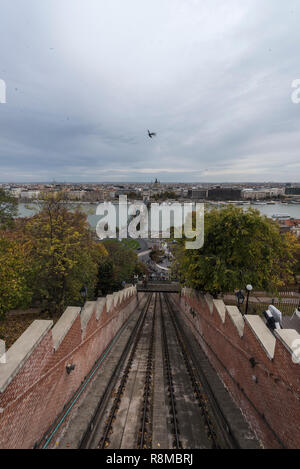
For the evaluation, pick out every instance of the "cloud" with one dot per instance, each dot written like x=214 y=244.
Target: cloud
x=86 y=80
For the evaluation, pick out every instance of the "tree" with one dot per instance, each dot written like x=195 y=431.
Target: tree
x=295 y=243
x=65 y=257
x=8 y=209
x=156 y=255
x=15 y=272
x=240 y=248
x=124 y=264
x=165 y=195
x=106 y=280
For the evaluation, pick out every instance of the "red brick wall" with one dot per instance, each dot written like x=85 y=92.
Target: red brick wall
x=270 y=405
x=42 y=387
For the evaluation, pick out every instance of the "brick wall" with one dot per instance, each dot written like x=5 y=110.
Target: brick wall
x=35 y=387
x=255 y=366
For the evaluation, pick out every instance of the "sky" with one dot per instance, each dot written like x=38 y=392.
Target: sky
x=85 y=79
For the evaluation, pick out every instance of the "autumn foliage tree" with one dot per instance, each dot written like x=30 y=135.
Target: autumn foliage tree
x=240 y=248
x=8 y=209
x=45 y=260
x=64 y=255
x=15 y=272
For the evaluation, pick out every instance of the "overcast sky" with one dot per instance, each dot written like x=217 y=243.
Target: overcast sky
x=87 y=78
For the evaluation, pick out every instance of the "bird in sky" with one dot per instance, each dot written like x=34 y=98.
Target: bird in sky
x=151 y=134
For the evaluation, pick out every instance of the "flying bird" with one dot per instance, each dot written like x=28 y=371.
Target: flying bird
x=151 y=134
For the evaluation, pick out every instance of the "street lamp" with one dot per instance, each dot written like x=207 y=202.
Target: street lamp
x=249 y=289
x=240 y=298
x=83 y=293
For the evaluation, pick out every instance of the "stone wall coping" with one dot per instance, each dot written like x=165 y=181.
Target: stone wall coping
x=237 y=319
x=18 y=353
x=86 y=313
x=63 y=325
x=290 y=338
x=101 y=302
x=262 y=333
x=221 y=309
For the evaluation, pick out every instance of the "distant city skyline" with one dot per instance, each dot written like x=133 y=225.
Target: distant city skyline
x=129 y=183
x=86 y=80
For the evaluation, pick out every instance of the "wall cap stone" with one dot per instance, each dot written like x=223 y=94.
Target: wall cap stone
x=237 y=319
x=221 y=309
x=18 y=353
x=2 y=352
x=63 y=325
x=209 y=301
x=288 y=338
x=116 y=296
x=262 y=333
x=86 y=313
x=109 y=302
x=101 y=302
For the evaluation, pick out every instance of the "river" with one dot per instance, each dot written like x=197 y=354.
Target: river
x=293 y=210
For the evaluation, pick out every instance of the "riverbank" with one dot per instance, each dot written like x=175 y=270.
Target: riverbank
x=292 y=210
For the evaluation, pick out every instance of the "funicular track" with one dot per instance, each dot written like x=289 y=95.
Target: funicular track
x=125 y=414
x=169 y=377
x=145 y=434
x=218 y=430
x=198 y=392
x=87 y=440
x=105 y=439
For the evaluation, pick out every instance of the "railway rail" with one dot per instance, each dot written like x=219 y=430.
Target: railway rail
x=157 y=351
x=144 y=438
x=87 y=439
x=169 y=376
x=203 y=391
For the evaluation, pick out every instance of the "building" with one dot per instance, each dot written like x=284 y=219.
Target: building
x=76 y=195
x=262 y=194
x=15 y=191
x=292 y=190
x=29 y=194
x=291 y=225
x=224 y=193
x=197 y=194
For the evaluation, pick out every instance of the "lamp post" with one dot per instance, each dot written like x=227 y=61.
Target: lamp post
x=83 y=293
x=240 y=298
x=249 y=290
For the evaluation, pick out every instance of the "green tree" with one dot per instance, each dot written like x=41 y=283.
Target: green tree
x=106 y=280
x=165 y=195
x=8 y=209
x=124 y=264
x=15 y=269
x=65 y=257
x=240 y=248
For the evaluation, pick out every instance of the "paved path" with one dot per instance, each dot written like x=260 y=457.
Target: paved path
x=266 y=299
